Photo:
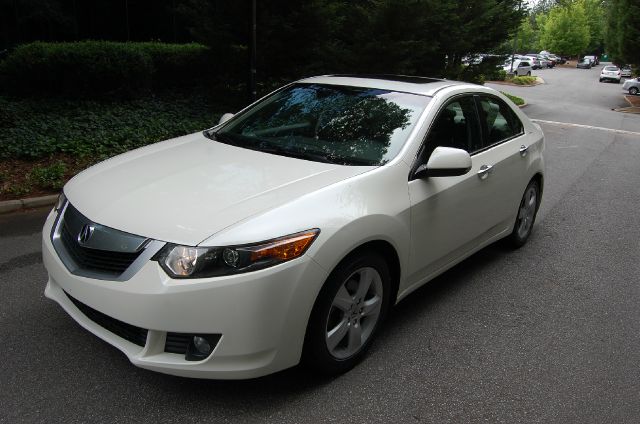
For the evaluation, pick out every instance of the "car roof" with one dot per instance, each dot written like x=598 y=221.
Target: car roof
x=404 y=83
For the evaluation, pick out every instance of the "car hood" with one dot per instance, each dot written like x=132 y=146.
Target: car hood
x=186 y=189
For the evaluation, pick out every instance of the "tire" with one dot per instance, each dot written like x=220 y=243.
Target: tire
x=344 y=310
x=529 y=73
x=600 y=79
x=526 y=217
x=633 y=90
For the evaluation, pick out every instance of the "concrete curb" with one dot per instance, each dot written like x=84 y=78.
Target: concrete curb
x=7 y=206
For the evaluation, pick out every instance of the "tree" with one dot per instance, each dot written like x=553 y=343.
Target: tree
x=595 y=17
x=565 y=29
x=623 y=31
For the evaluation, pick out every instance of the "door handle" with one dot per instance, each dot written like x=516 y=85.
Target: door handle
x=484 y=171
x=523 y=150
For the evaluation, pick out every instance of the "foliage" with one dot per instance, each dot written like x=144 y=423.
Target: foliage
x=523 y=80
x=39 y=128
x=93 y=68
x=518 y=101
x=623 y=31
x=527 y=40
x=501 y=75
x=49 y=177
x=565 y=30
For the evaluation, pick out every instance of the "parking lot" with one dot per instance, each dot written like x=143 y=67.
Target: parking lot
x=548 y=333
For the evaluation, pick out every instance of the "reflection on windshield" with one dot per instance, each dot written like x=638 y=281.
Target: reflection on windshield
x=338 y=124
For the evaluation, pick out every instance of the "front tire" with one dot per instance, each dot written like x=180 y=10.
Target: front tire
x=347 y=313
x=633 y=90
x=529 y=73
x=527 y=212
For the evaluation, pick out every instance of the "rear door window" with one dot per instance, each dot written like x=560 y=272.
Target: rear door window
x=499 y=121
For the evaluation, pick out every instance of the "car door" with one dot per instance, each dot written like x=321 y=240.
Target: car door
x=505 y=150
x=450 y=215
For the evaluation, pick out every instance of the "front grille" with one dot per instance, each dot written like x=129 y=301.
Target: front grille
x=135 y=335
x=105 y=261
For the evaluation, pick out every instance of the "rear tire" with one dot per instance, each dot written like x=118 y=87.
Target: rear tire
x=347 y=314
x=529 y=73
x=633 y=91
x=527 y=211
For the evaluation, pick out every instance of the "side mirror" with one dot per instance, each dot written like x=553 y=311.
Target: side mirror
x=445 y=162
x=224 y=118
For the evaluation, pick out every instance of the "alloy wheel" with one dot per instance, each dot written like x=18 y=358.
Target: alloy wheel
x=527 y=211
x=354 y=313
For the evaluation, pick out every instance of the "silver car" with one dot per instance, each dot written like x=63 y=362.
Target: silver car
x=632 y=86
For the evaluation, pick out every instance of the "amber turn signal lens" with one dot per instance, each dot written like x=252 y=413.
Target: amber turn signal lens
x=286 y=248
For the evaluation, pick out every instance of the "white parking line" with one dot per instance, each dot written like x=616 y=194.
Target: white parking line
x=591 y=127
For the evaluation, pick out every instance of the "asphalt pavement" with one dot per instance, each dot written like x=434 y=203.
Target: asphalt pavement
x=547 y=333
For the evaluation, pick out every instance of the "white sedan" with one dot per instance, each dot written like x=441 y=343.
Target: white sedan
x=610 y=73
x=287 y=232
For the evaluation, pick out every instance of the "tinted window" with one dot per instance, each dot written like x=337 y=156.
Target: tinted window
x=330 y=123
x=455 y=126
x=499 y=121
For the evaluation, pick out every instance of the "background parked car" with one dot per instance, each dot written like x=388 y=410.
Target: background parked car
x=594 y=59
x=625 y=71
x=584 y=64
x=610 y=73
x=632 y=86
x=519 y=67
x=535 y=62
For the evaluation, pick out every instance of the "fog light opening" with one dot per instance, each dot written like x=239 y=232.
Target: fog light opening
x=201 y=346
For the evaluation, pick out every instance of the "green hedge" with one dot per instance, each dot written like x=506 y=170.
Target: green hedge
x=98 y=68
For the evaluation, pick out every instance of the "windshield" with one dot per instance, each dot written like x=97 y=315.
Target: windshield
x=327 y=123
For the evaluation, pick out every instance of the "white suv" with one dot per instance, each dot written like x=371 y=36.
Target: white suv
x=287 y=232
x=519 y=67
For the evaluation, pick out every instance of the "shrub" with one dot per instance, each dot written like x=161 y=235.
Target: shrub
x=519 y=101
x=38 y=128
x=96 y=68
x=523 y=80
x=51 y=176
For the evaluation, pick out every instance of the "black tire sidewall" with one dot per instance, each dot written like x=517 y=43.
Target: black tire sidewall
x=514 y=238
x=316 y=355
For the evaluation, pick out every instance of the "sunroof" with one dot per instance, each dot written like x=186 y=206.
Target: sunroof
x=389 y=77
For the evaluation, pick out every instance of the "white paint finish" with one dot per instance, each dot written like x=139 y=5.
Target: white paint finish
x=186 y=189
x=449 y=158
x=193 y=190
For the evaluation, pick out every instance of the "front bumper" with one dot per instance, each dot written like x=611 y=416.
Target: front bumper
x=262 y=315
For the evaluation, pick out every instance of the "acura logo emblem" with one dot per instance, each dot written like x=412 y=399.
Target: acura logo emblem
x=85 y=233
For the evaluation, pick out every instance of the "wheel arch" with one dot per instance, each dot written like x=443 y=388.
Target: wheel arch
x=390 y=256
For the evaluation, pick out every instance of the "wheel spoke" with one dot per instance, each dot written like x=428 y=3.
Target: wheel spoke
x=366 y=278
x=522 y=213
x=372 y=306
x=335 y=335
x=343 y=300
x=355 y=338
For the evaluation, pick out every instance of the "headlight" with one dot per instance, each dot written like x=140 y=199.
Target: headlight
x=62 y=199
x=201 y=262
